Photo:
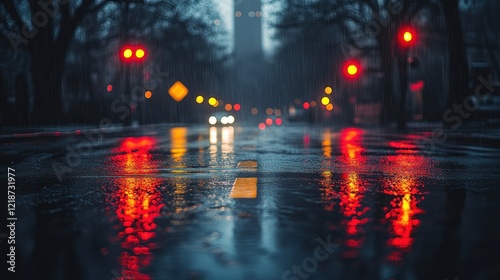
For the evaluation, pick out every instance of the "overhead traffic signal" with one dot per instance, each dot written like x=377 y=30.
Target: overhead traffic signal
x=351 y=69
x=407 y=37
x=130 y=53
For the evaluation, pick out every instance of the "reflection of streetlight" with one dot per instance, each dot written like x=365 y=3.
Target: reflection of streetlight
x=326 y=144
x=178 y=143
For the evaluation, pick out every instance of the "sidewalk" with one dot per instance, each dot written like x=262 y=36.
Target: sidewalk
x=11 y=134
x=477 y=134
x=8 y=134
x=465 y=134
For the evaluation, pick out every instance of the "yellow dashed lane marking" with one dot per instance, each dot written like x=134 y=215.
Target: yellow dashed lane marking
x=244 y=188
x=247 y=164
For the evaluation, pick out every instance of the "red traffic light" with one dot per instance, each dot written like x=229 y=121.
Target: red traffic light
x=130 y=53
x=407 y=37
x=351 y=69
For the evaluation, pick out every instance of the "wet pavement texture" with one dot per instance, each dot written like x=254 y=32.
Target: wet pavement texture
x=330 y=203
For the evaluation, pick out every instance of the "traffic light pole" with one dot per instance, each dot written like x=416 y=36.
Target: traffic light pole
x=127 y=96
x=128 y=102
x=403 y=83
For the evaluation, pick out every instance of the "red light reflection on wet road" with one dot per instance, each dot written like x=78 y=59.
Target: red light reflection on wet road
x=351 y=146
x=402 y=182
x=350 y=194
x=352 y=189
x=137 y=204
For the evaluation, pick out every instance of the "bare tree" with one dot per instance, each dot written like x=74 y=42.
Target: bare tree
x=45 y=29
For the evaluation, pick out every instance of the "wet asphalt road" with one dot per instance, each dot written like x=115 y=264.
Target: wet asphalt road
x=331 y=203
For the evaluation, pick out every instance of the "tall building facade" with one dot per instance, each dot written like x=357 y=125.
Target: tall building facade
x=247 y=29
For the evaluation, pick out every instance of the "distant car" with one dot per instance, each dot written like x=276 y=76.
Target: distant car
x=221 y=118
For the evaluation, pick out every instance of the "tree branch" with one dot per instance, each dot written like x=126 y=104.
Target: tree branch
x=10 y=7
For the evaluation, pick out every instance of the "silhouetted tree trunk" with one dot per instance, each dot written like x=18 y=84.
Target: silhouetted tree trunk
x=47 y=68
x=47 y=41
x=386 y=63
x=459 y=71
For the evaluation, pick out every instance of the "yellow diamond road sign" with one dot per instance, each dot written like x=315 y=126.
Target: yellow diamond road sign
x=178 y=91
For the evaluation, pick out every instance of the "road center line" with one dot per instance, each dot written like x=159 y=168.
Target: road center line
x=244 y=188
x=247 y=164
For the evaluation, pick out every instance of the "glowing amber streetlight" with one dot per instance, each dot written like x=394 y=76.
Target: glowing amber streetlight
x=199 y=99
x=325 y=100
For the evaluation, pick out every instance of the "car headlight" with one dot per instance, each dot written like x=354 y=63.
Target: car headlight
x=212 y=120
x=230 y=119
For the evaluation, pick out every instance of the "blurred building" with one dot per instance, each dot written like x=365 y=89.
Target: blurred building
x=247 y=28
x=248 y=64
